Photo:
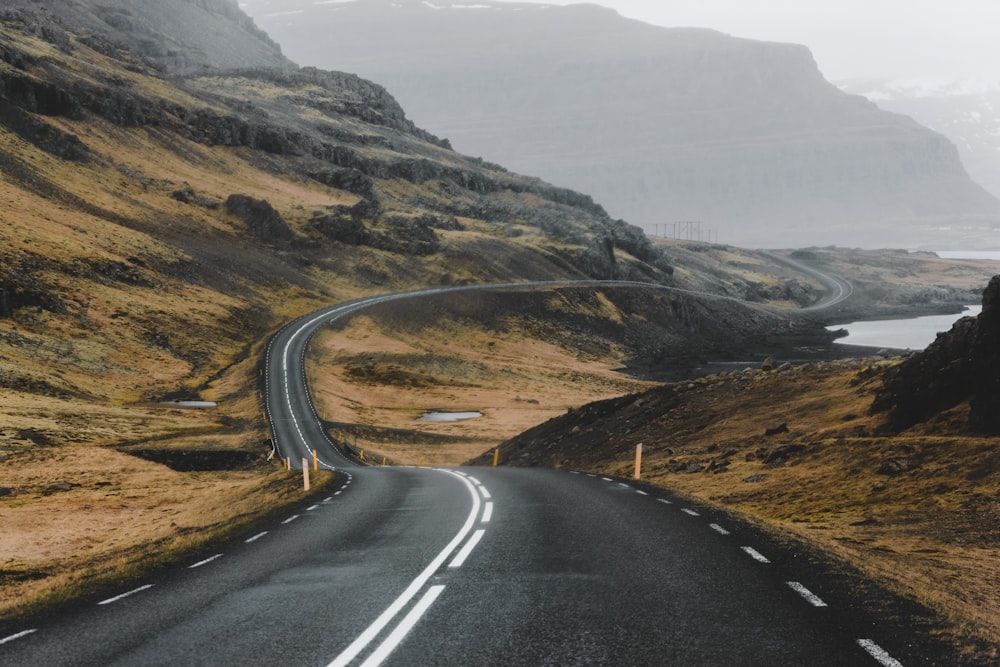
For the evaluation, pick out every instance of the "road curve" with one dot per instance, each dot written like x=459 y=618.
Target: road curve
x=297 y=432
x=839 y=289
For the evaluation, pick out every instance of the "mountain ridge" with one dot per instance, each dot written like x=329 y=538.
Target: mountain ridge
x=658 y=124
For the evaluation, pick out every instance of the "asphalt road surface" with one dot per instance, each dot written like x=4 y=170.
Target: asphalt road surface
x=476 y=566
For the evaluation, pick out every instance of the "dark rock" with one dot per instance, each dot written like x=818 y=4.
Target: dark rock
x=781 y=428
x=781 y=454
x=984 y=412
x=263 y=222
x=896 y=466
x=342 y=228
x=961 y=364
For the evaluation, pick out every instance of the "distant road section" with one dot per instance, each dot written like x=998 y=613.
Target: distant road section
x=839 y=289
x=296 y=429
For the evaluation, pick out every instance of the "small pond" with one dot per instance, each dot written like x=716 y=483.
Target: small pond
x=442 y=416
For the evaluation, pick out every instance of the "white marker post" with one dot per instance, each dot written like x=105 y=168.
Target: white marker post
x=305 y=473
x=638 y=460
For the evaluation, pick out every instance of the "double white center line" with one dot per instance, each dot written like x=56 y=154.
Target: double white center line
x=348 y=655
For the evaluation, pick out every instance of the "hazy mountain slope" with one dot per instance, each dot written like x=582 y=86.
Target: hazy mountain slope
x=659 y=125
x=963 y=111
x=183 y=34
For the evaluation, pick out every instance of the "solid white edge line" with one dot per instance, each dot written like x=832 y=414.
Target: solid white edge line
x=719 y=529
x=204 y=562
x=811 y=597
x=125 y=595
x=404 y=627
x=487 y=513
x=255 y=537
x=459 y=559
x=756 y=555
x=22 y=633
x=366 y=637
x=879 y=653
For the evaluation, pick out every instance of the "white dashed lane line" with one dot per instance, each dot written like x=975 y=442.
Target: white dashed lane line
x=873 y=649
x=204 y=562
x=879 y=653
x=487 y=513
x=23 y=633
x=811 y=597
x=290 y=519
x=125 y=595
x=255 y=537
x=756 y=555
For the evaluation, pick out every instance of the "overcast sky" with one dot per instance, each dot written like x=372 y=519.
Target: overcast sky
x=921 y=40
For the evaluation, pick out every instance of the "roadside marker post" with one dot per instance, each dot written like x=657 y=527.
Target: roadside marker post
x=315 y=461
x=638 y=460
x=496 y=456
x=305 y=474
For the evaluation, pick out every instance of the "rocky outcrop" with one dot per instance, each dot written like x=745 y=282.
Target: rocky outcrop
x=263 y=222
x=962 y=364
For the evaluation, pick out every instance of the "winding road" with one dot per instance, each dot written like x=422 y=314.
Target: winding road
x=475 y=566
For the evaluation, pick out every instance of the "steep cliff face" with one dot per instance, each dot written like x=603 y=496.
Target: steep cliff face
x=659 y=125
x=961 y=365
x=182 y=35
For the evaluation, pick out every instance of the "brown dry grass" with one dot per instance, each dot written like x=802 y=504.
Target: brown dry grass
x=370 y=375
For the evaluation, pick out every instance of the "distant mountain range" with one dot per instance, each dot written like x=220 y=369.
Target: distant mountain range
x=963 y=111
x=659 y=125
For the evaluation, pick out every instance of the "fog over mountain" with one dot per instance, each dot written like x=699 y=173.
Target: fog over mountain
x=184 y=35
x=659 y=125
x=965 y=111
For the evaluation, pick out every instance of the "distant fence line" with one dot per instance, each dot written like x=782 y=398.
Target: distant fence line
x=686 y=230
